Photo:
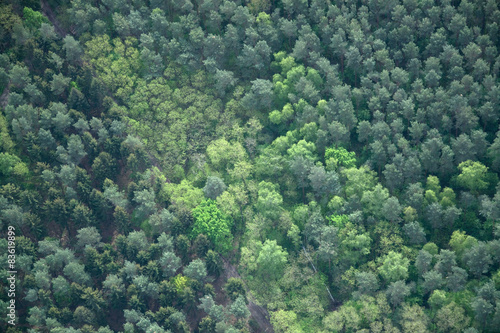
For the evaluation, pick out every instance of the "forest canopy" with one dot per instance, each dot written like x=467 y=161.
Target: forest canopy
x=222 y=166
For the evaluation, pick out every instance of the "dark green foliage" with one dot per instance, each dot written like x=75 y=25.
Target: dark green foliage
x=201 y=245
x=214 y=187
x=214 y=263
x=120 y=118
x=235 y=288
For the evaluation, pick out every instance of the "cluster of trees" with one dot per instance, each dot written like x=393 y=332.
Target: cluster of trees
x=344 y=155
x=104 y=243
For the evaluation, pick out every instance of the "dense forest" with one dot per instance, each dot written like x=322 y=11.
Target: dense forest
x=216 y=166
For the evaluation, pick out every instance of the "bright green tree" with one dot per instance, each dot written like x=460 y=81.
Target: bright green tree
x=285 y=321
x=394 y=267
x=339 y=157
x=211 y=222
x=472 y=176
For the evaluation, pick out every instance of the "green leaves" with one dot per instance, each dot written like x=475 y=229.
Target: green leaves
x=11 y=165
x=472 y=176
x=394 y=267
x=211 y=222
x=340 y=157
x=33 y=19
x=269 y=200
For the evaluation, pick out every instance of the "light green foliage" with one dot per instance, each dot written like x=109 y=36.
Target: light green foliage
x=414 y=319
x=11 y=165
x=472 y=176
x=355 y=243
x=437 y=299
x=460 y=242
x=345 y=318
x=447 y=197
x=358 y=181
x=33 y=19
x=117 y=63
x=233 y=201
x=5 y=140
x=223 y=154
x=304 y=149
x=394 y=267
x=211 y=222
x=278 y=117
x=176 y=122
x=285 y=322
x=339 y=157
x=374 y=200
x=269 y=200
x=433 y=184
x=184 y=194
x=267 y=260
x=271 y=260
x=452 y=318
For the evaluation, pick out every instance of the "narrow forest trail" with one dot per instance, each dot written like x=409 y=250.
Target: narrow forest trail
x=49 y=13
x=258 y=313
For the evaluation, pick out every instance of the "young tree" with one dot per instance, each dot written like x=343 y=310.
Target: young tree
x=210 y=221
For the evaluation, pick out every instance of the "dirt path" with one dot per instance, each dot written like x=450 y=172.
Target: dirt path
x=47 y=11
x=258 y=313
